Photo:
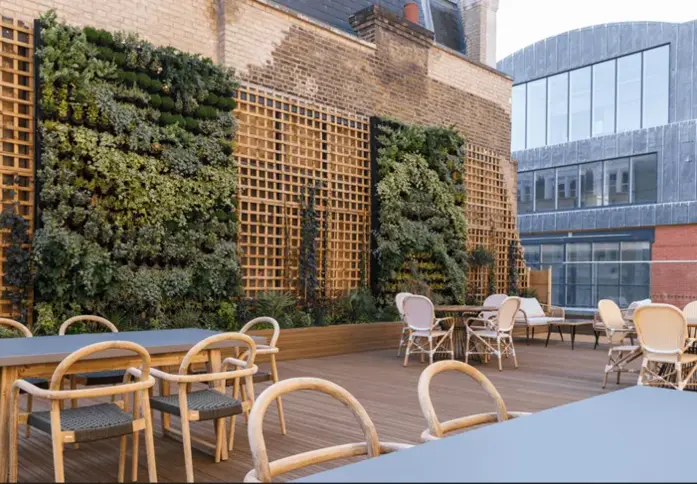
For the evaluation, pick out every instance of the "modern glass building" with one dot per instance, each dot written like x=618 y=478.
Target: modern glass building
x=604 y=134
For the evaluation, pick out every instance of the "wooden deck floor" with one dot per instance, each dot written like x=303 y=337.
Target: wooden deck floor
x=547 y=377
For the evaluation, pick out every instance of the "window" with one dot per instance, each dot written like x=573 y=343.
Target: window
x=580 y=104
x=544 y=190
x=622 y=94
x=655 y=92
x=629 y=93
x=617 y=181
x=446 y=23
x=604 y=98
x=525 y=203
x=567 y=187
x=536 y=113
x=518 y=118
x=644 y=174
x=585 y=272
x=591 y=184
x=557 y=108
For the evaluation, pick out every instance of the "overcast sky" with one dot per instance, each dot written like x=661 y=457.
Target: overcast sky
x=524 y=22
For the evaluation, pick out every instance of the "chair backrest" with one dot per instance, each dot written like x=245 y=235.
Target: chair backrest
x=532 y=307
x=437 y=429
x=399 y=302
x=248 y=366
x=64 y=366
x=264 y=320
x=89 y=318
x=661 y=328
x=495 y=300
x=505 y=318
x=11 y=323
x=690 y=312
x=610 y=314
x=633 y=307
x=418 y=312
x=263 y=468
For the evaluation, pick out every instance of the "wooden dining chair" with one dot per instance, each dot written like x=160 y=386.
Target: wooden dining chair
x=97 y=378
x=92 y=422
x=39 y=382
x=265 y=471
x=208 y=404
x=436 y=429
x=271 y=350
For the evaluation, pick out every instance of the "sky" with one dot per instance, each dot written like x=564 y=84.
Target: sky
x=524 y=22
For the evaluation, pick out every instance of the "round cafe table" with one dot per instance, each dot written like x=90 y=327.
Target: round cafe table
x=460 y=313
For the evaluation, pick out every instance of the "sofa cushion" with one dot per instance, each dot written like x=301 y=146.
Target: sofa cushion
x=532 y=309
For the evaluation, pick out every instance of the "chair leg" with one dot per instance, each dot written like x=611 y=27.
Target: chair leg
x=498 y=352
x=515 y=359
x=608 y=367
x=233 y=419
x=30 y=404
x=406 y=353
x=57 y=443
x=597 y=337
x=642 y=372
x=186 y=441
x=527 y=335
x=678 y=376
x=279 y=403
x=150 y=440
x=122 y=458
x=13 y=423
x=452 y=347
x=561 y=335
x=619 y=370
x=430 y=350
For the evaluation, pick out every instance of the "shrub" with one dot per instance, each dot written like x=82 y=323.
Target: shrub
x=167 y=103
x=155 y=100
x=143 y=80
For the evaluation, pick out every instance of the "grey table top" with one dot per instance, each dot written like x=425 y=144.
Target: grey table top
x=51 y=349
x=585 y=441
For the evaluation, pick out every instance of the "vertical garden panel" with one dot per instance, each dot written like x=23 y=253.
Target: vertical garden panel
x=17 y=124
x=284 y=146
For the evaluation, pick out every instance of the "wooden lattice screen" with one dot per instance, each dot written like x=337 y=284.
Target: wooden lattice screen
x=283 y=145
x=17 y=121
x=491 y=217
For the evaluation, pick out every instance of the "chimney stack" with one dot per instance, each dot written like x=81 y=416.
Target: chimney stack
x=479 y=26
x=411 y=12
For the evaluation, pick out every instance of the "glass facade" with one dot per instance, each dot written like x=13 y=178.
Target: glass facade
x=621 y=94
x=583 y=273
x=619 y=181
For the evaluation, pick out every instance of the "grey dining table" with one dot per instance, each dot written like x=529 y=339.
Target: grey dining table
x=39 y=356
x=556 y=445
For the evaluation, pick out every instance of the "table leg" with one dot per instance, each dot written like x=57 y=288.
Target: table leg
x=165 y=419
x=215 y=365
x=573 y=335
x=7 y=377
x=549 y=332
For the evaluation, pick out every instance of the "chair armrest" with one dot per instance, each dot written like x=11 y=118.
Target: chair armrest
x=93 y=392
x=437 y=321
x=234 y=362
x=688 y=344
x=525 y=315
x=554 y=311
x=488 y=323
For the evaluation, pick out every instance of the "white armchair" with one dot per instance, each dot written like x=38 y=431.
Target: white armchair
x=425 y=333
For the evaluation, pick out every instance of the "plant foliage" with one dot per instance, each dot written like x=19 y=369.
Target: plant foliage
x=138 y=185
x=513 y=277
x=18 y=275
x=422 y=233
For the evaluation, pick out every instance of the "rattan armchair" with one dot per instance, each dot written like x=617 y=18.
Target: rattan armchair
x=399 y=303
x=93 y=422
x=436 y=429
x=619 y=354
x=208 y=404
x=498 y=331
x=265 y=471
x=39 y=382
x=260 y=376
x=425 y=333
x=662 y=330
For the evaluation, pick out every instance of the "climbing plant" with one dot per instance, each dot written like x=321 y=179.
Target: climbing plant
x=422 y=227
x=513 y=277
x=18 y=275
x=309 y=233
x=138 y=185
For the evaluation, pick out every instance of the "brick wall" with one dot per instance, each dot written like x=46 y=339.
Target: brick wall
x=674 y=283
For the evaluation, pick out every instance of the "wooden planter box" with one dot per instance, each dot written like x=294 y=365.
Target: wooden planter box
x=315 y=342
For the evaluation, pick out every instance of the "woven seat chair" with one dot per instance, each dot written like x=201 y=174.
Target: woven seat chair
x=109 y=377
x=38 y=382
x=399 y=303
x=662 y=330
x=619 y=355
x=480 y=339
x=260 y=376
x=425 y=333
x=208 y=404
x=690 y=312
x=265 y=471
x=436 y=429
x=493 y=301
x=93 y=422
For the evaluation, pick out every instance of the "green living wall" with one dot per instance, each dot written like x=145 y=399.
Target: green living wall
x=137 y=182
x=421 y=238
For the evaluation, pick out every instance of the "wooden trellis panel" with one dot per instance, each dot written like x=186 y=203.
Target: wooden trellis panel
x=284 y=145
x=17 y=123
x=491 y=216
